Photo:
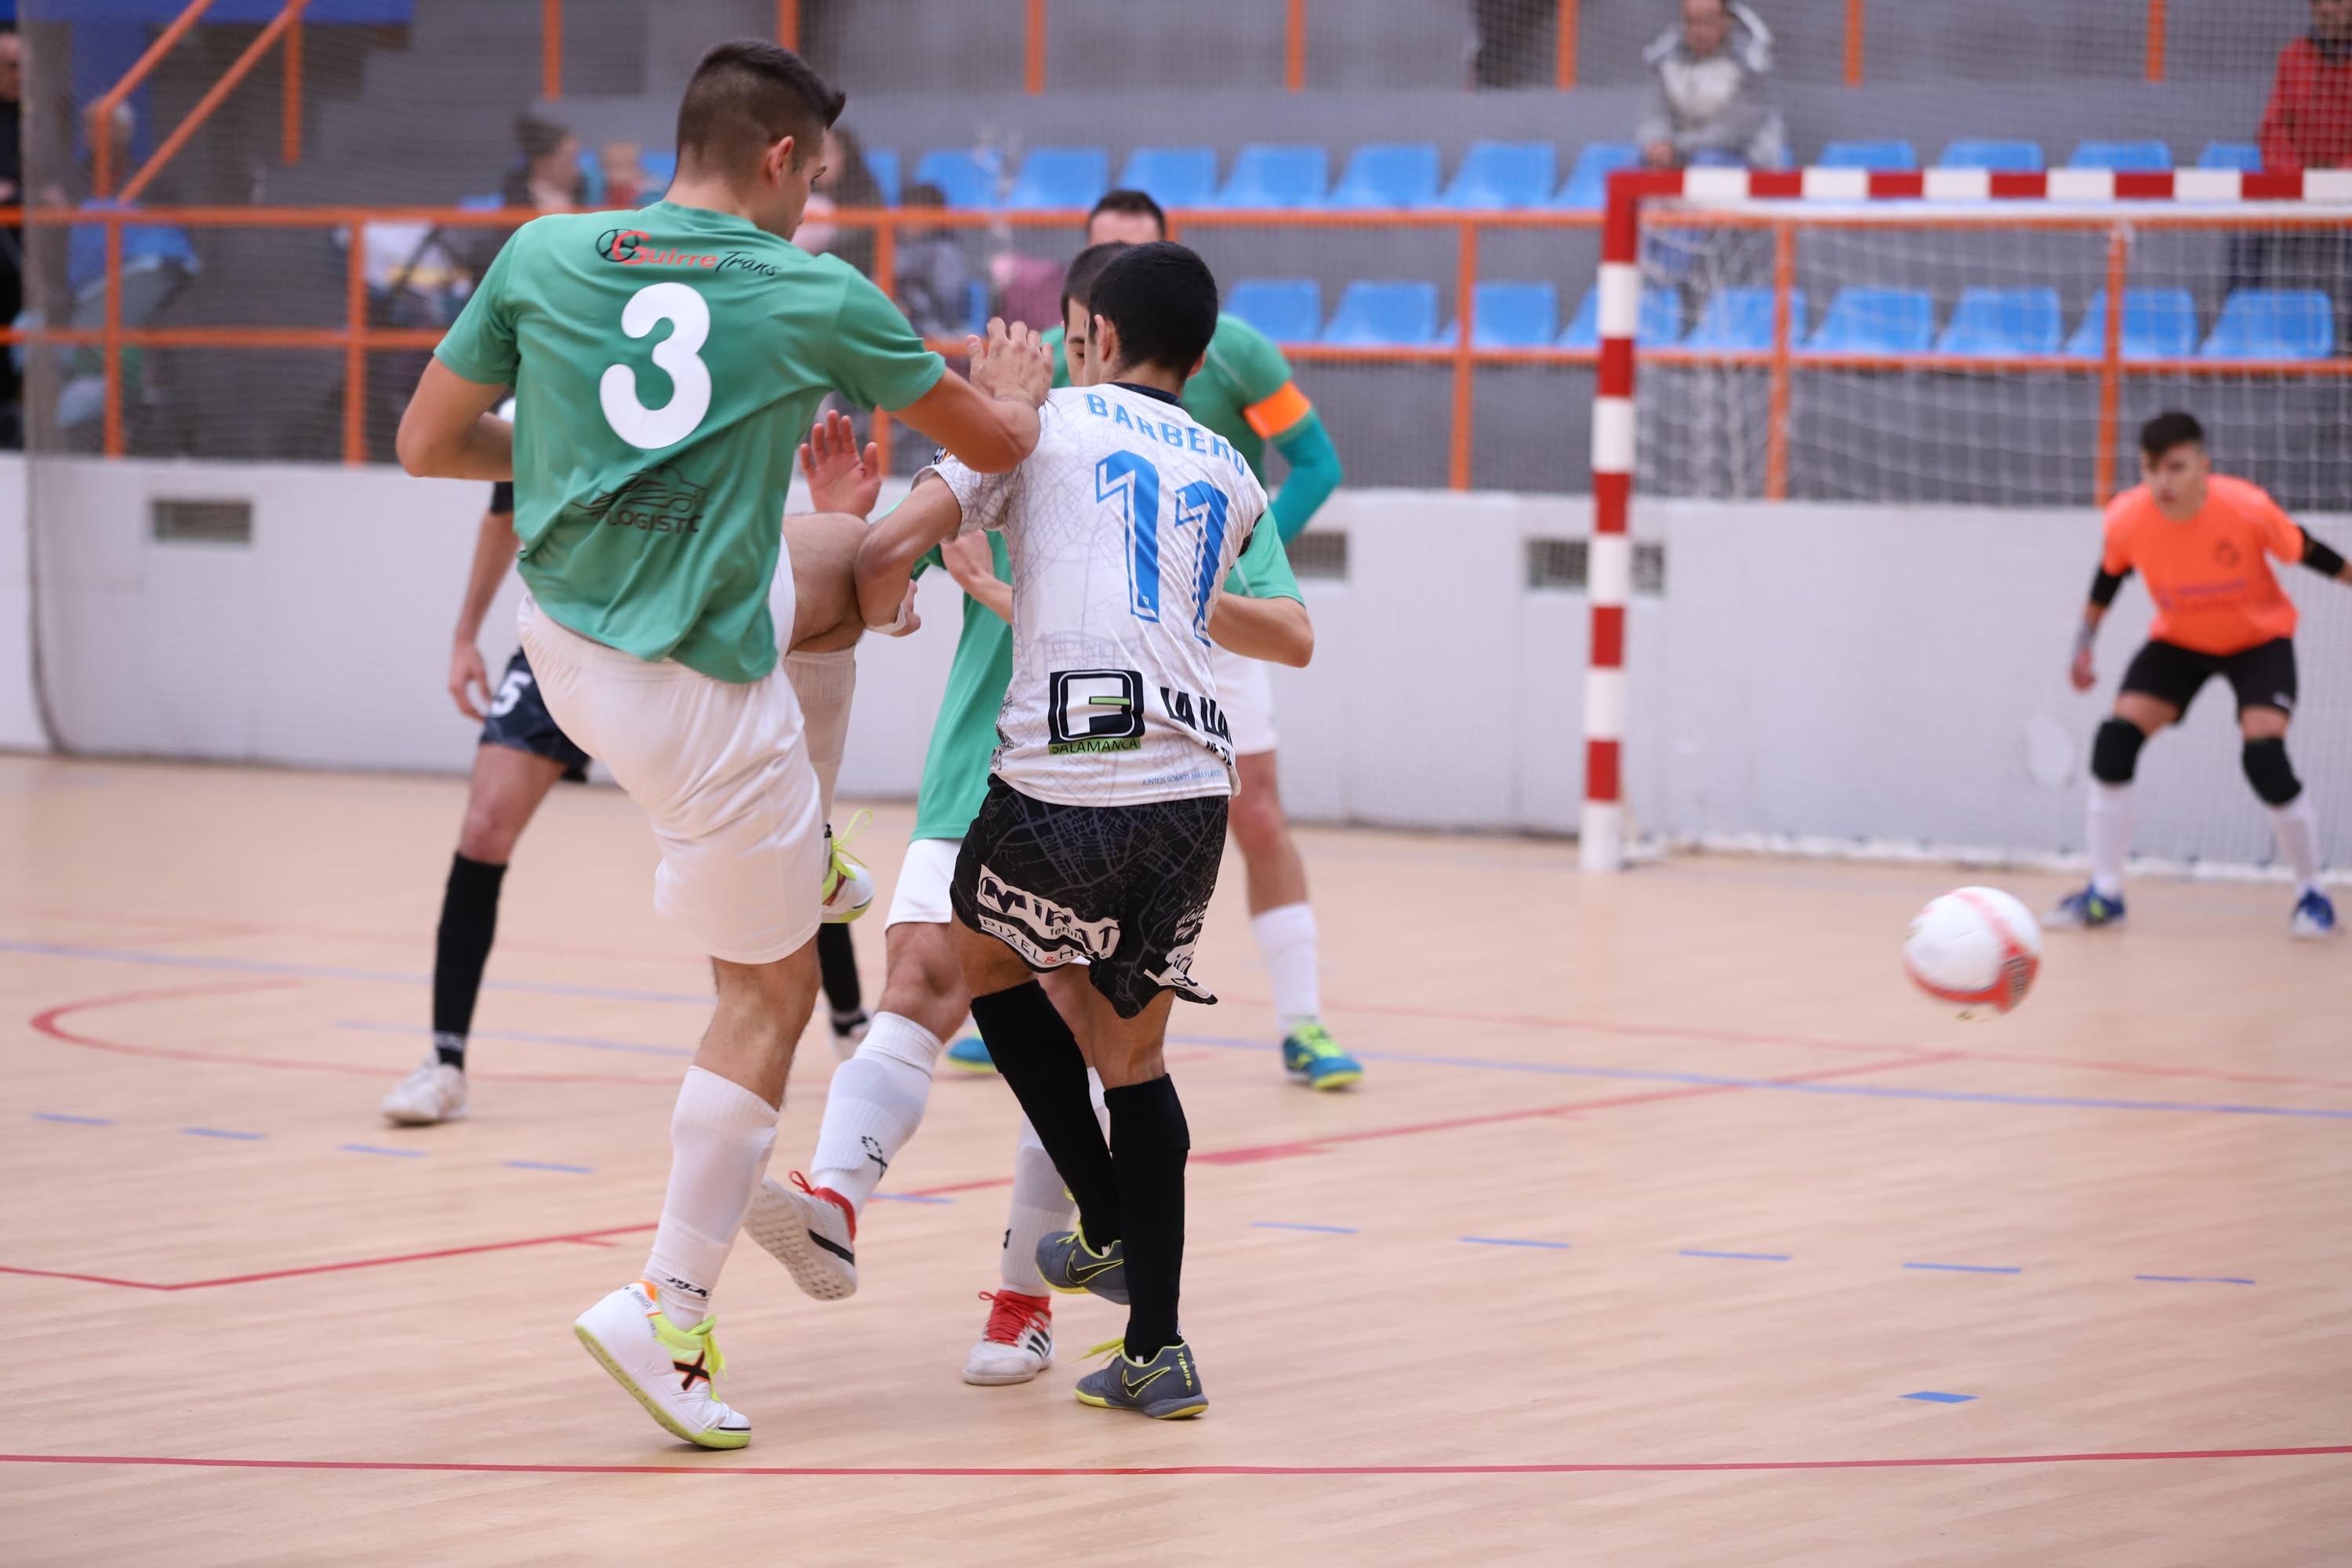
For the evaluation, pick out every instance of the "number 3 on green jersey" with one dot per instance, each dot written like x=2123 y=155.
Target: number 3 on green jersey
x=632 y=421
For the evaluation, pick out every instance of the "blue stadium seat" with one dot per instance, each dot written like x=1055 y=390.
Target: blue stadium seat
x=1887 y=154
x=1060 y=177
x=1993 y=152
x=1288 y=309
x=1384 y=315
x=2126 y=157
x=661 y=168
x=1265 y=175
x=592 y=178
x=1588 y=179
x=2241 y=155
x=2004 y=322
x=1503 y=175
x=882 y=163
x=1389 y=174
x=490 y=202
x=967 y=177
x=2273 y=323
x=1876 y=320
x=1515 y=316
x=2158 y=323
x=1738 y=319
x=1173 y=176
x=1660 y=323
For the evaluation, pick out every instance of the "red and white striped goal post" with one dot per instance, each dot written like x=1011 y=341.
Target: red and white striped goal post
x=1610 y=568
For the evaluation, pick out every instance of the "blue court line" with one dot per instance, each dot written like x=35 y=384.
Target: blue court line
x=525 y=1037
x=222 y=1132
x=379 y=1149
x=1285 y=1224
x=1965 y=1267
x=1513 y=1241
x=1563 y=1070
x=2193 y=1279
x=544 y=1165
x=73 y=1121
x=1744 y=1256
x=1932 y=1398
x=908 y=1198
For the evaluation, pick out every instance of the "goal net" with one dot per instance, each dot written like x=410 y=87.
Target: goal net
x=1872 y=438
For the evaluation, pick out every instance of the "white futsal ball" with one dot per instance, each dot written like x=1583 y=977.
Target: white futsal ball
x=1976 y=946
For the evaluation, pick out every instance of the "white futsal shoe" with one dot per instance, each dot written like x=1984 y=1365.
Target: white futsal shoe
x=812 y=1231
x=1018 y=1342
x=674 y=1373
x=434 y=1092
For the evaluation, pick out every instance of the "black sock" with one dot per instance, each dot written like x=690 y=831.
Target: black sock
x=837 y=959
x=1038 y=1059
x=1148 y=1143
x=470 y=918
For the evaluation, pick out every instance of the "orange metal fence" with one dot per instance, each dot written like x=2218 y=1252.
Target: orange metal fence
x=1782 y=361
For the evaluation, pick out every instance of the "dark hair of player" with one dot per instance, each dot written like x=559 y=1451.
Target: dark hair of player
x=2169 y=429
x=1162 y=299
x=1128 y=202
x=746 y=96
x=1079 y=282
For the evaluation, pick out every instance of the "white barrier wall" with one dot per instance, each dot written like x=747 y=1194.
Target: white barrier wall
x=1892 y=675
x=20 y=720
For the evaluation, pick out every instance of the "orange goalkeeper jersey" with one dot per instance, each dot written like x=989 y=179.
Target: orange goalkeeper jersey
x=2214 y=588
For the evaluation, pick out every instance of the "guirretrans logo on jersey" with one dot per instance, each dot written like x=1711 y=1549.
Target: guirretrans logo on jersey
x=636 y=248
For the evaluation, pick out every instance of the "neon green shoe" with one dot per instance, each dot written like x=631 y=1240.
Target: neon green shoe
x=1308 y=1055
x=674 y=1373
x=847 y=891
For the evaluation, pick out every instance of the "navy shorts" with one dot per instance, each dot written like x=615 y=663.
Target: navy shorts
x=520 y=722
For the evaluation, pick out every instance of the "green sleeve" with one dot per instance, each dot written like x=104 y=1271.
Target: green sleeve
x=1314 y=475
x=1264 y=570
x=877 y=359
x=1249 y=360
x=480 y=346
x=1053 y=337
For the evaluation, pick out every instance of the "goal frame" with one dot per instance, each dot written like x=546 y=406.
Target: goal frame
x=1600 y=843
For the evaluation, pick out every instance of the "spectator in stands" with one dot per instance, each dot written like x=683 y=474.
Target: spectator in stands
x=624 y=176
x=2309 y=123
x=935 y=273
x=1710 y=101
x=547 y=174
x=846 y=181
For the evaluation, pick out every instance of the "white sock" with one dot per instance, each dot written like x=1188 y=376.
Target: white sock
x=2297 y=828
x=875 y=1105
x=720 y=1136
x=2109 y=827
x=1041 y=1207
x=824 y=682
x=1286 y=939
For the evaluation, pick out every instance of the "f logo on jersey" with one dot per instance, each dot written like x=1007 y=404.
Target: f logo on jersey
x=1094 y=710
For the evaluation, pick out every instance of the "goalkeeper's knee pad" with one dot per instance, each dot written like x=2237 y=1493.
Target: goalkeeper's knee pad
x=2114 y=752
x=2270 y=772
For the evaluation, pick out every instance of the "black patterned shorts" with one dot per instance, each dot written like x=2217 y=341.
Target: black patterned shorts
x=1123 y=887
x=520 y=722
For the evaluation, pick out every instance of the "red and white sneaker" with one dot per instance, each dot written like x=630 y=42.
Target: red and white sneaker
x=812 y=1231
x=1018 y=1342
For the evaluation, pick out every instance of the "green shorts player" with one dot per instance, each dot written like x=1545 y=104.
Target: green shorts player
x=1245 y=393
x=666 y=363
x=877 y=1097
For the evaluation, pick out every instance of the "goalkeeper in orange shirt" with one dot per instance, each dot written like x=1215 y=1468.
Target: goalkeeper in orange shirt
x=2200 y=539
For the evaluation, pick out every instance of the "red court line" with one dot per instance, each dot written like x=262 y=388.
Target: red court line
x=47 y=1022
x=585 y=1237
x=958 y=1471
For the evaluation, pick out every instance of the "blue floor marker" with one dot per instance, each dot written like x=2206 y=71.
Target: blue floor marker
x=223 y=1132
x=1932 y=1398
x=544 y=1165
x=1284 y=1225
x=73 y=1121
x=2193 y=1279
x=1743 y=1257
x=1964 y=1267
x=380 y=1149
x=909 y=1198
x=1513 y=1241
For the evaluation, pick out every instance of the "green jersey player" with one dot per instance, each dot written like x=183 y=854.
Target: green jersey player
x=666 y=363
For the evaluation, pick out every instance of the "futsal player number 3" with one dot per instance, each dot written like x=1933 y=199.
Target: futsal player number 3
x=650 y=429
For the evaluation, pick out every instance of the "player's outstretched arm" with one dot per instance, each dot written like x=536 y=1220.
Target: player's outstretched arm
x=972 y=564
x=2094 y=610
x=887 y=556
x=990 y=423
x=840 y=477
x=1275 y=630
x=494 y=551
x=448 y=431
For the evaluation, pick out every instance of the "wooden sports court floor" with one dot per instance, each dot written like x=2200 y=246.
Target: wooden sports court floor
x=1669 y=1227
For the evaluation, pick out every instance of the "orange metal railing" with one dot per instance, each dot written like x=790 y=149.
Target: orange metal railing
x=283 y=25
x=1781 y=363
x=102 y=151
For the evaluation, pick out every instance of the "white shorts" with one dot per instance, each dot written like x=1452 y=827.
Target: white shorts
x=921 y=896
x=720 y=768
x=1246 y=694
